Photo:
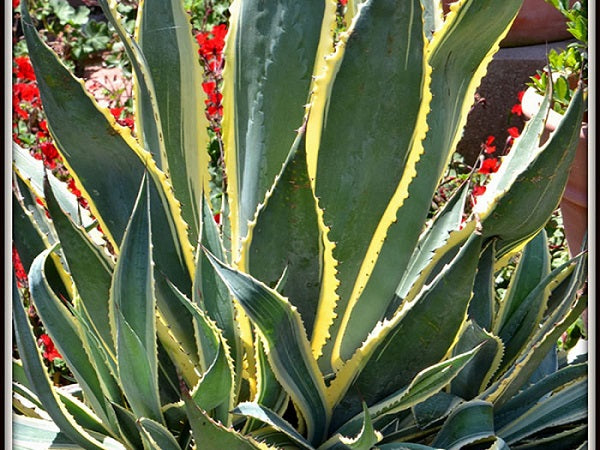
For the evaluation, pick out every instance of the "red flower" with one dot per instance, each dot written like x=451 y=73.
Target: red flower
x=49 y=350
x=490 y=165
x=26 y=92
x=514 y=132
x=50 y=153
x=516 y=109
x=520 y=95
x=343 y=2
x=116 y=112
x=478 y=190
x=217 y=218
x=209 y=87
x=44 y=125
x=24 y=70
x=16 y=3
x=20 y=273
x=73 y=188
x=488 y=147
x=219 y=32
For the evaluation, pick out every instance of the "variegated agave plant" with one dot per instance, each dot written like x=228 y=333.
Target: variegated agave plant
x=326 y=311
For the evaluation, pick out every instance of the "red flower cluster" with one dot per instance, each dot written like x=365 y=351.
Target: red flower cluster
x=122 y=119
x=20 y=273
x=488 y=147
x=211 y=47
x=478 y=190
x=26 y=94
x=49 y=350
x=516 y=109
x=214 y=108
x=490 y=165
x=211 y=54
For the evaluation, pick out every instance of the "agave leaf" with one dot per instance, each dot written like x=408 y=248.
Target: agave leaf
x=104 y=361
x=269 y=417
x=26 y=403
x=575 y=438
x=164 y=35
x=366 y=438
x=30 y=172
x=517 y=214
x=266 y=49
x=479 y=371
x=157 y=435
x=111 y=192
x=524 y=303
x=128 y=426
x=208 y=432
x=210 y=293
x=92 y=279
x=286 y=236
x=66 y=334
x=287 y=347
x=456 y=70
x=269 y=393
x=571 y=307
x=133 y=306
x=433 y=410
x=427 y=383
x=468 y=423
x=26 y=235
x=29 y=434
x=390 y=358
x=526 y=399
x=566 y=406
x=345 y=163
x=433 y=238
x=150 y=130
x=217 y=384
x=94 y=143
x=37 y=377
x=483 y=304
x=405 y=445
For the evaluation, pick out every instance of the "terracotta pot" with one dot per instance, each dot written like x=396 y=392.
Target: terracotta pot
x=538 y=22
x=573 y=204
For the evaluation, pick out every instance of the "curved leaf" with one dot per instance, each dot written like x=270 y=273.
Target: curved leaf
x=479 y=371
x=270 y=54
x=569 y=405
x=287 y=347
x=38 y=377
x=66 y=334
x=391 y=357
x=164 y=35
x=468 y=423
x=286 y=237
x=269 y=417
x=133 y=305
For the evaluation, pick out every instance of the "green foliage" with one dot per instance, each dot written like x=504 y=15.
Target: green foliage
x=328 y=308
x=567 y=66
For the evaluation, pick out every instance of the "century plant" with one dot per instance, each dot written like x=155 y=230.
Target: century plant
x=326 y=310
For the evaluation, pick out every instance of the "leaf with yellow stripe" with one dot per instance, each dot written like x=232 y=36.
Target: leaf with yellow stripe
x=357 y=136
x=457 y=64
x=287 y=347
x=165 y=37
x=270 y=54
x=391 y=356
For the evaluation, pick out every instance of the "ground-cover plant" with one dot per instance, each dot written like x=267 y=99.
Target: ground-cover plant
x=325 y=310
